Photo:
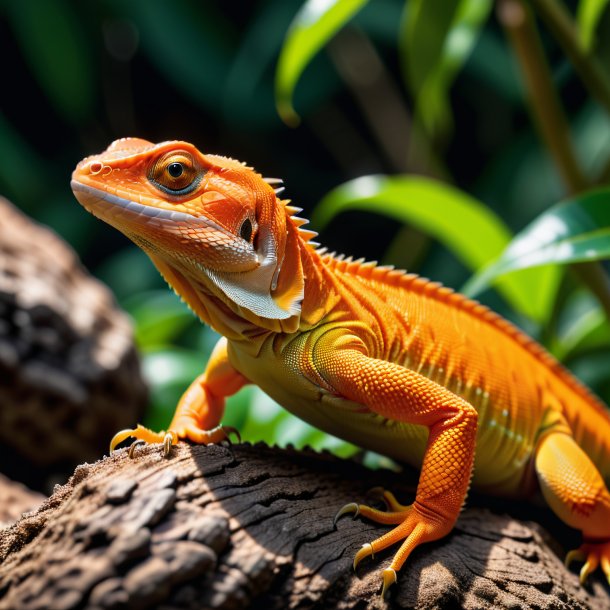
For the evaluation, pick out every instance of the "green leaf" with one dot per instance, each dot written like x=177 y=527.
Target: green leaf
x=574 y=231
x=582 y=326
x=55 y=47
x=159 y=316
x=313 y=26
x=436 y=39
x=588 y=16
x=463 y=224
x=168 y=372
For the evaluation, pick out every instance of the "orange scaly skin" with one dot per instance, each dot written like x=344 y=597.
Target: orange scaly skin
x=387 y=360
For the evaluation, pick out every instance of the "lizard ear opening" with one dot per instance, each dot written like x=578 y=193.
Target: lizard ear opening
x=274 y=290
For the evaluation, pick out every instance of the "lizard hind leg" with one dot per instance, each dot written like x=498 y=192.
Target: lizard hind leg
x=575 y=490
x=414 y=528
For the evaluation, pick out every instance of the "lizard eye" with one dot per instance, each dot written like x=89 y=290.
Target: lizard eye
x=175 y=173
x=175 y=169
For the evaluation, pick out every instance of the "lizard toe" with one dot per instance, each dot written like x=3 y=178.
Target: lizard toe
x=593 y=554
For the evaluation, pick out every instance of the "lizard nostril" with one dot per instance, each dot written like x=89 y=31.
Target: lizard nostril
x=95 y=167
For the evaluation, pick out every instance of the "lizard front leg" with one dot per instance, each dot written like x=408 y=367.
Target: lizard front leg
x=401 y=394
x=199 y=412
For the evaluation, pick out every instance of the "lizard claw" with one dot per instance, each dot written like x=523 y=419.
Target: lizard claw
x=132 y=448
x=389 y=579
x=365 y=551
x=119 y=437
x=228 y=430
x=144 y=436
x=352 y=507
x=573 y=555
x=593 y=554
x=168 y=441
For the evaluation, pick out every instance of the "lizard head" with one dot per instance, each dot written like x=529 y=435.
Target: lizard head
x=210 y=224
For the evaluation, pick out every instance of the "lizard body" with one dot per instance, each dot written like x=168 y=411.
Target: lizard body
x=388 y=360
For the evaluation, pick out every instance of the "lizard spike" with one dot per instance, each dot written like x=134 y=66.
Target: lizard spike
x=322 y=250
x=314 y=244
x=298 y=221
x=279 y=190
x=306 y=234
x=292 y=209
x=273 y=180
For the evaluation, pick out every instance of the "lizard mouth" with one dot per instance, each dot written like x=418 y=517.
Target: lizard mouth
x=97 y=200
x=195 y=234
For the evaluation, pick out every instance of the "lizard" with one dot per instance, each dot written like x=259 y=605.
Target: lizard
x=388 y=360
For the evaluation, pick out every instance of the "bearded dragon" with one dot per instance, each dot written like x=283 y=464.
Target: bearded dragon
x=385 y=359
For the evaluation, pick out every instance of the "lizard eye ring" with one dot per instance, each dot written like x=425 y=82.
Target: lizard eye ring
x=175 y=173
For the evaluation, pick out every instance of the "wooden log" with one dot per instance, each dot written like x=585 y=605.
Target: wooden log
x=252 y=527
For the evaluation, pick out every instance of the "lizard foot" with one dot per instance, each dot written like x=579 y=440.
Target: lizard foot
x=144 y=436
x=415 y=526
x=593 y=554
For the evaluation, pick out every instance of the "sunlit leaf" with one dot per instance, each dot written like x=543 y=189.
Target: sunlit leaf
x=588 y=16
x=55 y=46
x=463 y=224
x=313 y=26
x=436 y=39
x=575 y=231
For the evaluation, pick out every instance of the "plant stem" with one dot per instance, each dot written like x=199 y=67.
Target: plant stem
x=550 y=120
x=547 y=112
x=592 y=73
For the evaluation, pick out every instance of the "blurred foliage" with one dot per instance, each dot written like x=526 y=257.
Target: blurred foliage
x=415 y=138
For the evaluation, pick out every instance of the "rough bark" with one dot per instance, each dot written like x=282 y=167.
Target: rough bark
x=249 y=526
x=69 y=373
x=16 y=499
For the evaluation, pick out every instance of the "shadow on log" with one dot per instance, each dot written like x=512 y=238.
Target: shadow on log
x=252 y=526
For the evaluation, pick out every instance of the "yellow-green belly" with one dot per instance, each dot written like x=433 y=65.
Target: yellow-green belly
x=502 y=454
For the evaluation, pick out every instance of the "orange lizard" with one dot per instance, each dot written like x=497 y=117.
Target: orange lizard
x=387 y=360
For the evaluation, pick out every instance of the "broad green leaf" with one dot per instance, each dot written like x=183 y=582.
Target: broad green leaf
x=436 y=39
x=574 y=231
x=463 y=224
x=313 y=26
x=588 y=16
x=55 y=46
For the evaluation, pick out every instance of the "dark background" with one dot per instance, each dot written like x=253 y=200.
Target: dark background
x=77 y=75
